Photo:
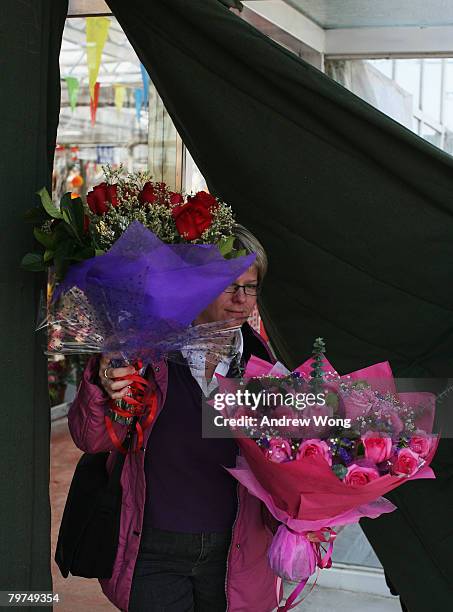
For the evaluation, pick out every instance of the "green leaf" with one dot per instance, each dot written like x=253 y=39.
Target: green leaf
x=360 y=449
x=69 y=233
x=225 y=245
x=62 y=232
x=44 y=238
x=73 y=214
x=48 y=205
x=60 y=266
x=332 y=400
x=62 y=255
x=82 y=254
x=360 y=384
x=339 y=470
x=65 y=248
x=48 y=255
x=33 y=262
x=36 y=215
x=64 y=236
x=98 y=252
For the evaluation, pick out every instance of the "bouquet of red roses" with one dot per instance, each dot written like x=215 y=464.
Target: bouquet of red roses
x=132 y=269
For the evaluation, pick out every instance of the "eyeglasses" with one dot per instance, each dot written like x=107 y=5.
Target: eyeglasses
x=248 y=289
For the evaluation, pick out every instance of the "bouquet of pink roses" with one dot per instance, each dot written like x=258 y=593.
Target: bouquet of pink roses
x=357 y=441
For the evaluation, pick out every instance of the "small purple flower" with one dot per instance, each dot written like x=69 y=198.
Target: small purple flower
x=264 y=442
x=345 y=455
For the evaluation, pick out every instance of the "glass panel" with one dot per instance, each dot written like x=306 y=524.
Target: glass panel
x=352 y=547
x=448 y=142
x=431 y=135
x=431 y=96
x=448 y=100
x=407 y=75
x=162 y=141
x=384 y=65
x=365 y=80
x=193 y=179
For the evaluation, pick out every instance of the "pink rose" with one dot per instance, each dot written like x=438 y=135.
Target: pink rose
x=388 y=412
x=358 y=403
x=420 y=444
x=242 y=411
x=279 y=450
x=360 y=475
x=377 y=448
x=314 y=448
x=290 y=430
x=406 y=463
x=313 y=431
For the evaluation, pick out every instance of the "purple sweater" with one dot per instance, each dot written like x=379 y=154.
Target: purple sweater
x=187 y=488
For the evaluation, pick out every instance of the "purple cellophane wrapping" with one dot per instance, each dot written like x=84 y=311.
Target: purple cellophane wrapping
x=144 y=291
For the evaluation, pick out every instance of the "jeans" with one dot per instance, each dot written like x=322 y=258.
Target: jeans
x=180 y=572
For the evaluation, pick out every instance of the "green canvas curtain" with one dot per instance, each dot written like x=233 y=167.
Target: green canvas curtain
x=355 y=211
x=29 y=105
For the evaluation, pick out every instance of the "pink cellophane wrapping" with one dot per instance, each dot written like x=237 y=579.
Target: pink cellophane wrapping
x=372 y=509
x=305 y=495
x=308 y=490
x=291 y=555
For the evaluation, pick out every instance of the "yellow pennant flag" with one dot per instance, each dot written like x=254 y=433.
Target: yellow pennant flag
x=96 y=32
x=120 y=94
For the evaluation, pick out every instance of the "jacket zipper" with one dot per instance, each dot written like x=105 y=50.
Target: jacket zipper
x=229 y=549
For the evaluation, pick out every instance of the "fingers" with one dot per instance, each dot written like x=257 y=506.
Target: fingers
x=119 y=394
x=119 y=372
x=109 y=376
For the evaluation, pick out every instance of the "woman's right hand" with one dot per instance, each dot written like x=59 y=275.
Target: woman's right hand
x=108 y=376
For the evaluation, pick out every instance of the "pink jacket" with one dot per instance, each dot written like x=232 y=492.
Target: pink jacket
x=250 y=583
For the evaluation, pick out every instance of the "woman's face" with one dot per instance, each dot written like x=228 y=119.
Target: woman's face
x=232 y=305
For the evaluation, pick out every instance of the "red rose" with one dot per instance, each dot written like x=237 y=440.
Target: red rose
x=176 y=198
x=203 y=198
x=100 y=197
x=192 y=219
x=148 y=193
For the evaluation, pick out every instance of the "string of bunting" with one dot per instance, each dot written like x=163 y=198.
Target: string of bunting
x=97 y=29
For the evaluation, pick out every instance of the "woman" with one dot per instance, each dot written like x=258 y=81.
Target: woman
x=191 y=538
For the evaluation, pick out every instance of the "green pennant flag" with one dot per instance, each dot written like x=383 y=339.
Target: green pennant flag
x=72 y=84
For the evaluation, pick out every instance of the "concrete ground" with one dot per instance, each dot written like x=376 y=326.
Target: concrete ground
x=335 y=600
x=76 y=594
x=83 y=595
